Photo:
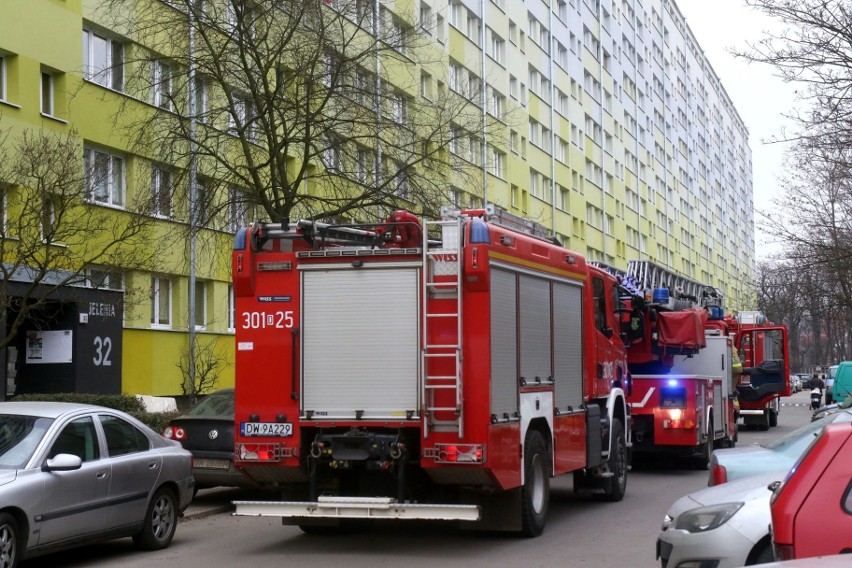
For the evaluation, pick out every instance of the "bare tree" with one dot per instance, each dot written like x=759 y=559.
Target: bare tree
x=53 y=233
x=208 y=366
x=813 y=49
x=302 y=108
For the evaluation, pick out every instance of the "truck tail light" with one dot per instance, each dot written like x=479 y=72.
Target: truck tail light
x=456 y=453
x=718 y=475
x=679 y=424
x=263 y=452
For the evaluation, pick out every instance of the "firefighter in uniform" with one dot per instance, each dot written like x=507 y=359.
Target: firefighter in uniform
x=736 y=373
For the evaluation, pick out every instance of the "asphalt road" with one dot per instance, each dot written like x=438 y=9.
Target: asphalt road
x=580 y=532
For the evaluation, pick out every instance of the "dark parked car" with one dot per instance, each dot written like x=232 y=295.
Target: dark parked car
x=207 y=430
x=74 y=473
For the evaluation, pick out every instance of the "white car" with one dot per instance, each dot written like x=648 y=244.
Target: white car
x=722 y=526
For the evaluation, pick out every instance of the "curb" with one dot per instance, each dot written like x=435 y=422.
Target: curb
x=190 y=515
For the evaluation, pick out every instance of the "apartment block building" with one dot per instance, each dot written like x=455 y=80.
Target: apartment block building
x=601 y=119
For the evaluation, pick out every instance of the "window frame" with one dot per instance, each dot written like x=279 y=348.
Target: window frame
x=161 y=180
x=116 y=166
x=111 y=76
x=232 y=310
x=161 y=84
x=157 y=282
x=47 y=100
x=201 y=305
x=3 y=77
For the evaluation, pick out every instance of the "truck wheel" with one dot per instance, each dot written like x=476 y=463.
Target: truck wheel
x=702 y=461
x=764 y=422
x=773 y=419
x=10 y=541
x=535 y=494
x=614 y=487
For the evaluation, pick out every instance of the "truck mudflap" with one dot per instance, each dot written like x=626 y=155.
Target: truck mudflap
x=327 y=507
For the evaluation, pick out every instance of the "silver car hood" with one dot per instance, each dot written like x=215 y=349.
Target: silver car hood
x=744 y=489
x=752 y=520
x=7 y=476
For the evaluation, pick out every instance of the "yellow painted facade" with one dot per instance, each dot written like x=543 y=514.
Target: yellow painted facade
x=604 y=122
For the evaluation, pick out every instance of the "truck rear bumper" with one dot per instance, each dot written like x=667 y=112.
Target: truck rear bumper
x=356 y=508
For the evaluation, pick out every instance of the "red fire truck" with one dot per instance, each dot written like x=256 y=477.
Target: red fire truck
x=426 y=370
x=766 y=378
x=685 y=395
x=680 y=360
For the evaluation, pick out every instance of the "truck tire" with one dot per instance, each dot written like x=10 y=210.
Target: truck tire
x=535 y=494
x=614 y=487
x=763 y=426
x=702 y=460
x=773 y=418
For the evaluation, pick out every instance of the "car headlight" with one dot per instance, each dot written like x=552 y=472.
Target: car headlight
x=707 y=518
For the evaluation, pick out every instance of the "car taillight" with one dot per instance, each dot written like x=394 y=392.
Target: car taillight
x=718 y=475
x=174 y=433
x=783 y=551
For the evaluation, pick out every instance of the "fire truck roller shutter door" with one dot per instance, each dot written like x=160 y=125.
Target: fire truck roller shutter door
x=504 y=342
x=568 y=345
x=534 y=315
x=360 y=342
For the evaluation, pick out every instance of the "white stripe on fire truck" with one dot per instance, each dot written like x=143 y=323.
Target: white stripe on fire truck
x=644 y=400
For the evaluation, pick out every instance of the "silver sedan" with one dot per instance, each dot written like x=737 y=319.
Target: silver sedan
x=722 y=526
x=72 y=474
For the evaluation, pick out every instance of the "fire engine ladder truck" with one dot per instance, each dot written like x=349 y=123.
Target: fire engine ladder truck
x=442 y=277
x=646 y=276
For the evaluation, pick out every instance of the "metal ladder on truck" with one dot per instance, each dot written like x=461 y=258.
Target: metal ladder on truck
x=442 y=277
x=648 y=276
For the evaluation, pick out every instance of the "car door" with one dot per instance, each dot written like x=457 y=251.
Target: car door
x=74 y=501
x=135 y=470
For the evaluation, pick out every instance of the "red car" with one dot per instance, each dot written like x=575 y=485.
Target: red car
x=812 y=508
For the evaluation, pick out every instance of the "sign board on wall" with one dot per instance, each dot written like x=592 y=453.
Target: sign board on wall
x=49 y=347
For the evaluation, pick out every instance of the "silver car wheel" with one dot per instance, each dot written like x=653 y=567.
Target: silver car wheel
x=163 y=517
x=8 y=542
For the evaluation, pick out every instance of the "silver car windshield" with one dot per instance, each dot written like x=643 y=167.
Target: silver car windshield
x=19 y=438
x=797 y=440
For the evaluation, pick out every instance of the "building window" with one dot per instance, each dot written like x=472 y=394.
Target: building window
x=4 y=191
x=200 y=304
x=161 y=85
x=201 y=88
x=232 y=309
x=161 y=192
x=2 y=78
x=104 y=177
x=103 y=278
x=46 y=93
x=496 y=46
x=426 y=85
x=103 y=61
x=48 y=219
x=237 y=210
x=244 y=117
x=161 y=301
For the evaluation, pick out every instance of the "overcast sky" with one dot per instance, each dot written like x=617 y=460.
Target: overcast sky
x=760 y=98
